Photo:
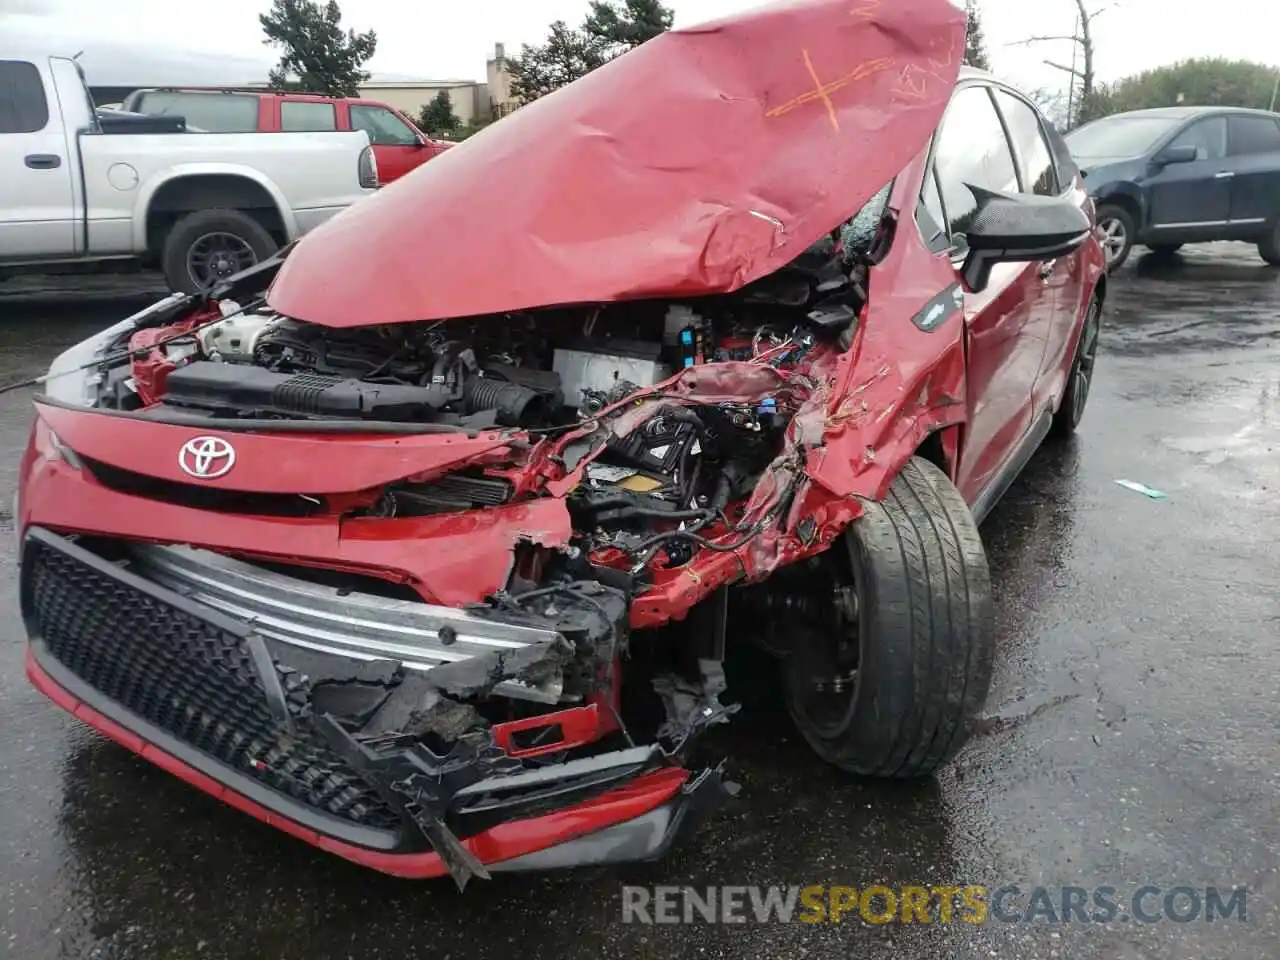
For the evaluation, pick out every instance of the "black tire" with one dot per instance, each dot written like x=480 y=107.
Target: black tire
x=196 y=228
x=1269 y=246
x=1080 y=378
x=1164 y=249
x=1112 y=217
x=924 y=637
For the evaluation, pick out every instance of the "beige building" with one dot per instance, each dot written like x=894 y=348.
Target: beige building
x=472 y=100
x=499 y=80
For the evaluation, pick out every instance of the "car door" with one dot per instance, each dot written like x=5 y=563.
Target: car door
x=1191 y=201
x=1002 y=354
x=37 y=195
x=1063 y=279
x=397 y=146
x=1253 y=155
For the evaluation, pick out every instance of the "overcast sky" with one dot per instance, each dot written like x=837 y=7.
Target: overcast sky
x=176 y=41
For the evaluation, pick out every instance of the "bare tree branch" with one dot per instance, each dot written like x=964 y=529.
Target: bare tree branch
x=1031 y=40
x=1100 y=10
x=1083 y=44
x=1070 y=70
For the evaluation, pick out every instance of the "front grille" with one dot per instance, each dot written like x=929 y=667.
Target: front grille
x=191 y=679
x=200 y=497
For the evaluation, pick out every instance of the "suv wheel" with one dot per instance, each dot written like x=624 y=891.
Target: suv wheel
x=895 y=690
x=1269 y=246
x=1115 y=231
x=211 y=245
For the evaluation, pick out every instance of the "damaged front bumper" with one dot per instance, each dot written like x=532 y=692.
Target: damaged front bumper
x=297 y=706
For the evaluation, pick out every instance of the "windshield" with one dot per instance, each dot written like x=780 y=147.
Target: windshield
x=1119 y=136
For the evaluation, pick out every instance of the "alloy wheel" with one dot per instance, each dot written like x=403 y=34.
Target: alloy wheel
x=216 y=256
x=1085 y=358
x=1114 y=238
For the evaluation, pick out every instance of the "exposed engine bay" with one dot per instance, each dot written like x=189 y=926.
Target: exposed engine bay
x=540 y=369
x=547 y=372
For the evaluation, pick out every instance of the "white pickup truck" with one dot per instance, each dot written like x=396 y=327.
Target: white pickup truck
x=200 y=206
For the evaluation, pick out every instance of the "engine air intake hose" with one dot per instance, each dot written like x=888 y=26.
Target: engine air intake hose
x=514 y=404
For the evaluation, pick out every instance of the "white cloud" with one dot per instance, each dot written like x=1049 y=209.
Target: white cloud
x=23 y=8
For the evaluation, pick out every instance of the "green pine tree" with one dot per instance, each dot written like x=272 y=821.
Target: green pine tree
x=317 y=56
x=437 y=117
x=975 y=46
x=611 y=28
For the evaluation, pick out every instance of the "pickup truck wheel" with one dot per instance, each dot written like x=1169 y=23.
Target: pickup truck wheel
x=894 y=692
x=210 y=245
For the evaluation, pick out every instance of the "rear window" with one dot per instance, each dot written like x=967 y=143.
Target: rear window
x=210 y=112
x=1038 y=173
x=1253 y=135
x=23 y=107
x=300 y=116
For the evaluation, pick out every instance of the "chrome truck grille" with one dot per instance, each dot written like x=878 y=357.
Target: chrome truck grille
x=351 y=624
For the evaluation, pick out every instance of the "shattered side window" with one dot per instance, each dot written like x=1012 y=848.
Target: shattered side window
x=859 y=233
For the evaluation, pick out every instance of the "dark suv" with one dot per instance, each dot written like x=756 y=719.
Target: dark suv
x=1176 y=175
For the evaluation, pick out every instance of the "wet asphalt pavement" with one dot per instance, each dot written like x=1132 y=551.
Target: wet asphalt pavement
x=1132 y=741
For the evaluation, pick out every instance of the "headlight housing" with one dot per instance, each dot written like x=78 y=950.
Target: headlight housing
x=72 y=378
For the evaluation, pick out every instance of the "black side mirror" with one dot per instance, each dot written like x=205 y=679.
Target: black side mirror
x=1183 y=153
x=1018 y=228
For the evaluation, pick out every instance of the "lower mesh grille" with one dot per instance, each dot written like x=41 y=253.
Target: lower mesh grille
x=192 y=679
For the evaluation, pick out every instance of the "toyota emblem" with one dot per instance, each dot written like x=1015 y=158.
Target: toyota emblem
x=207 y=457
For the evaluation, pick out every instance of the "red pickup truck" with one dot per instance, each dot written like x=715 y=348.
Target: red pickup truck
x=397 y=143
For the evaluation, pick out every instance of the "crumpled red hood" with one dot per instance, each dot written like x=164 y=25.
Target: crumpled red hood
x=704 y=159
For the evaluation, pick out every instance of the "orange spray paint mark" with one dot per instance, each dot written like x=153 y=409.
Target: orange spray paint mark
x=822 y=91
x=826 y=99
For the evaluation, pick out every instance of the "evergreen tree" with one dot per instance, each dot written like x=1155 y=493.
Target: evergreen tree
x=437 y=117
x=317 y=56
x=975 y=46
x=612 y=28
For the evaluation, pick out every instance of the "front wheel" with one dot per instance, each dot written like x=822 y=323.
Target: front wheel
x=211 y=245
x=1115 y=231
x=895 y=691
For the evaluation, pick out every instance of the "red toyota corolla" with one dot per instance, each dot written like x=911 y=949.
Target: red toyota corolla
x=735 y=340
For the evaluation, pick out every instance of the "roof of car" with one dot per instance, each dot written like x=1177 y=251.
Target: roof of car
x=1185 y=113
